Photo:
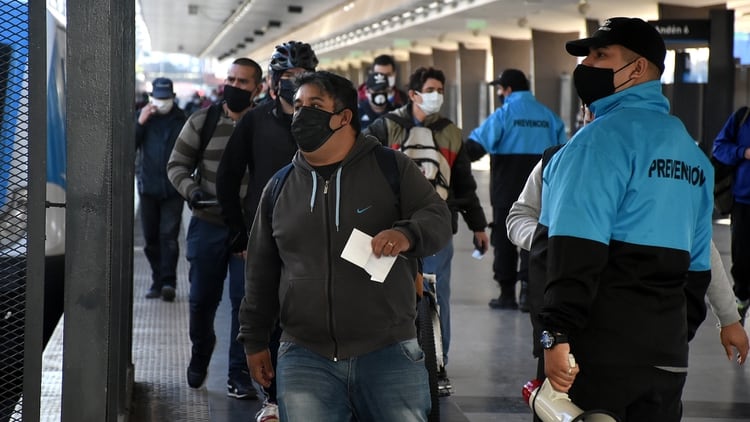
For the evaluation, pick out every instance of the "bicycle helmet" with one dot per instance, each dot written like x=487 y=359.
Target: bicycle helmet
x=289 y=55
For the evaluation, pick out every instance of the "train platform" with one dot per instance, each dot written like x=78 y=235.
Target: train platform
x=490 y=356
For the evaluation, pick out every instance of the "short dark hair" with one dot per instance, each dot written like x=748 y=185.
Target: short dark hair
x=384 y=60
x=244 y=61
x=338 y=87
x=420 y=76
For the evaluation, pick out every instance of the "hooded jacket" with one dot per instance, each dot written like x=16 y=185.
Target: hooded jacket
x=627 y=207
x=295 y=272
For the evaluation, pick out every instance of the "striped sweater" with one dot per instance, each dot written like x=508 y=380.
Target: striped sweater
x=184 y=159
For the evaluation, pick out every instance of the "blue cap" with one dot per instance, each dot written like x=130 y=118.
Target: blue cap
x=162 y=88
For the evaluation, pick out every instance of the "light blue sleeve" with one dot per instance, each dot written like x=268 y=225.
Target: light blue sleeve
x=490 y=132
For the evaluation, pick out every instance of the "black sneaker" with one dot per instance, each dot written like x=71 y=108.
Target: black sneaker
x=241 y=390
x=167 y=293
x=503 y=302
x=196 y=372
x=445 y=388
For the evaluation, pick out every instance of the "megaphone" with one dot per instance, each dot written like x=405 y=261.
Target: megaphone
x=551 y=405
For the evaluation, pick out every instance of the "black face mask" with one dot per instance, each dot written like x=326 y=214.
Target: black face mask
x=593 y=83
x=287 y=89
x=379 y=98
x=311 y=128
x=501 y=99
x=237 y=99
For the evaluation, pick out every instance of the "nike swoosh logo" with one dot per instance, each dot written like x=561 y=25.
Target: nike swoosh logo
x=361 y=210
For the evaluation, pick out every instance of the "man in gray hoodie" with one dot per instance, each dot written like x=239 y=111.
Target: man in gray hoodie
x=349 y=343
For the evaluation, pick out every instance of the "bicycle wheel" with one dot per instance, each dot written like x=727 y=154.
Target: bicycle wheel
x=427 y=341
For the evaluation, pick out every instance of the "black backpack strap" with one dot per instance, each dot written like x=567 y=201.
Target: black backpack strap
x=209 y=126
x=387 y=161
x=548 y=153
x=277 y=181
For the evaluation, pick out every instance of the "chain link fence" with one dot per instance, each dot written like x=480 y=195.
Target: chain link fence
x=14 y=151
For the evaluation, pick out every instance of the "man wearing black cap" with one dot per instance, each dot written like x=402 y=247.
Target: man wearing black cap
x=515 y=135
x=627 y=208
x=158 y=125
x=376 y=104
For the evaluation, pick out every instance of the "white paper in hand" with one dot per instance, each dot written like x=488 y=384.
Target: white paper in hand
x=358 y=251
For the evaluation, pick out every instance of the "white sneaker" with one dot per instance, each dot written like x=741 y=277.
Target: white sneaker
x=268 y=413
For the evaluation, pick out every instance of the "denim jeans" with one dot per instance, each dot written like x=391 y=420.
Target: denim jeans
x=209 y=257
x=440 y=265
x=389 y=384
x=160 y=222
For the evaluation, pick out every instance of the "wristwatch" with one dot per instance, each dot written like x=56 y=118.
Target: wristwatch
x=549 y=339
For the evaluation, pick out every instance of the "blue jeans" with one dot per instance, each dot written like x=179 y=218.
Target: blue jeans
x=440 y=265
x=160 y=222
x=389 y=384
x=209 y=257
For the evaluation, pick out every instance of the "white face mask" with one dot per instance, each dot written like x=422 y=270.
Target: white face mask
x=431 y=102
x=163 y=105
x=392 y=81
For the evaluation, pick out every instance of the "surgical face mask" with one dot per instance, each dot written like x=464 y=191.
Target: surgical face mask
x=378 y=98
x=237 y=99
x=593 y=83
x=287 y=90
x=311 y=128
x=392 y=81
x=163 y=105
x=431 y=102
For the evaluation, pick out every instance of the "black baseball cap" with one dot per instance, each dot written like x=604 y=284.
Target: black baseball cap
x=377 y=82
x=513 y=78
x=634 y=34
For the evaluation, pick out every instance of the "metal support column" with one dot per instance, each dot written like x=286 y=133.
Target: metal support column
x=97 y=363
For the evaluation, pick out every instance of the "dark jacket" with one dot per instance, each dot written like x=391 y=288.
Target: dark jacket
x=154 y=142
x=261 y=144
x=295 y=272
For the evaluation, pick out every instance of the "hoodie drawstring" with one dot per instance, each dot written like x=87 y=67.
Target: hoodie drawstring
x=314 y=189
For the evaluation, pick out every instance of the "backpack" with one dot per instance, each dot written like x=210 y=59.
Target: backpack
x=420 y=146
x=207 y=131
x=386 y=161
x=724 y=174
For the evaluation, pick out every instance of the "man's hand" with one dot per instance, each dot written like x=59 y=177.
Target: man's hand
x=734 y=335
x=481 y=242
x=389 y=243
x=261 y=368
x=146 y=113
x=557 y=367
x=198 y=200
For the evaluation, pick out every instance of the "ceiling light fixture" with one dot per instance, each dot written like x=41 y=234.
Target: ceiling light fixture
x=294 y=9
x=231 y=21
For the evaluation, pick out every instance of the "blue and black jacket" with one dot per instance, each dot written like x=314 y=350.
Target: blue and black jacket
x=515 y=136
x=627 y=207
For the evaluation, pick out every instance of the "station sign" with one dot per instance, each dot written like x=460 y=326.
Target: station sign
x=683 y=29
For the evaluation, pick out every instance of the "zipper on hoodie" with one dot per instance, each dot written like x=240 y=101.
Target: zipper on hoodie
x=329 y=282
